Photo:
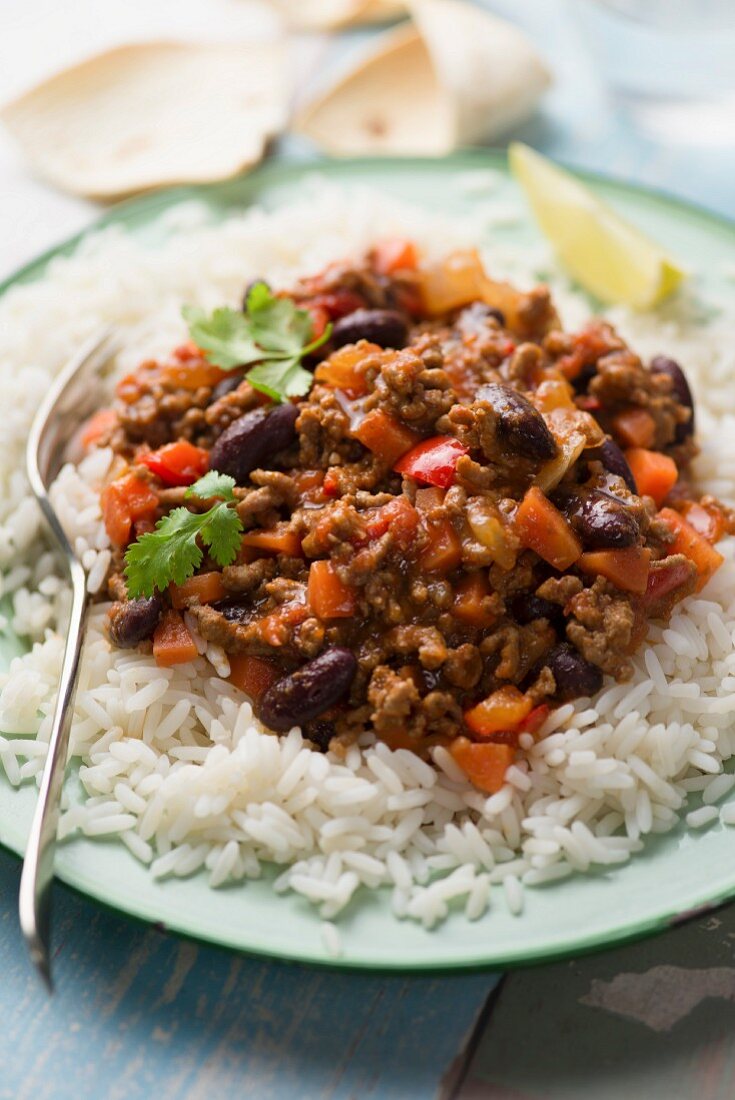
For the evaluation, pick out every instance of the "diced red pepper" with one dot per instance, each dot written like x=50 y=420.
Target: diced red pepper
x=434 y=461
x=124 y=502
x=535 y=720
x=328 y=596
x=177 y=463
x=336 y=303
x=319 y=320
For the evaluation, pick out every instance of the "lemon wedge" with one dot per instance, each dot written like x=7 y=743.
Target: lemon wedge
x=605 y=254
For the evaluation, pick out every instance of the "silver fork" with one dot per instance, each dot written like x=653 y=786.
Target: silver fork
x=77 y=391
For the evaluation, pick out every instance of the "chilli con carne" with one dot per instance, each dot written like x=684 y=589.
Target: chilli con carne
x=469 y=517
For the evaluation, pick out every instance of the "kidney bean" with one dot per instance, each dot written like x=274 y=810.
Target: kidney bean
x=309 y=691
x=601 y=523
x=252 y=439
x=526 y=608
x=234 y=612
x=385 y=327
x=615 y=462
x=520 y=425
x=227 y=385
x=661 y=364
x=573 y=674
x=132 y=621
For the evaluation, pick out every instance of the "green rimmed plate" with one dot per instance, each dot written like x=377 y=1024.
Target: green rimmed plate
x=674 y=875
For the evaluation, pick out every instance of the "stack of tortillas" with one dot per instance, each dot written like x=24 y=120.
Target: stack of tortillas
x=151 y=114
x=455 y=75
x=322 y=15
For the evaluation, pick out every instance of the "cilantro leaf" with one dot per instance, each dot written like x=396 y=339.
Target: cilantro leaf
x=272 y=333
x=213 y=484
x=225 y=336
x=173 y=552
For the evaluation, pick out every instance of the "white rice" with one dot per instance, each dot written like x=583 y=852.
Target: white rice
x=172 y=760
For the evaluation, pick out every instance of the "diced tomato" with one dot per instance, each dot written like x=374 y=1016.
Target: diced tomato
x=693 y=546
x=319 y=320
x=97 y=426
x=399 y=516
x=484 y=765
x=123 y=502
x=204 y=588
x=434 y=461
x=309 y=484
x=541 y=527
x=504 y=709
x=589 y=345
x=278 y=540
x=707 y=520
x=173 y=643
x=336 y=303
x=394 y=254
x=331 y=484
x=253 y=675
x=385 y=436
x=327 y=595
x=177 y=463
x=276 y=628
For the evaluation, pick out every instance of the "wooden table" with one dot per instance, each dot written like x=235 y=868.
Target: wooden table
x=138 y=1014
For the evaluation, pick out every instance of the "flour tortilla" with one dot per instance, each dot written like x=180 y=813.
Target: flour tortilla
x=152 y=114
x=454 y=76
x=325 y=15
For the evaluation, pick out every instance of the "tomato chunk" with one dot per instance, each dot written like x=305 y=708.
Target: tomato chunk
x=397 y=516
x=177 y=463
x=434 y=461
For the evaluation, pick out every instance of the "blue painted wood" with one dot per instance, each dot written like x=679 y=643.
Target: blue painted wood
x=137 y=1013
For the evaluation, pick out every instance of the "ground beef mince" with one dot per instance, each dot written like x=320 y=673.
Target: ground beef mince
x=470 y=517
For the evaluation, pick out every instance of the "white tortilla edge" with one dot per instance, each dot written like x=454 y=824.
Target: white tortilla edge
x=152 y=114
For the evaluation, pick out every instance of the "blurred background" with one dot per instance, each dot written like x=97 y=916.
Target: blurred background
x=641 y=89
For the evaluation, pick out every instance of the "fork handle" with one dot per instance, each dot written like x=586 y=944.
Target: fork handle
x=38 y=866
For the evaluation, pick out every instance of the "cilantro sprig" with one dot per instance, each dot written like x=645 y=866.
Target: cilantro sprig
x=173 y=552
x=271 y=333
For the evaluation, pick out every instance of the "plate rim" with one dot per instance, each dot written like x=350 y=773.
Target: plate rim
x=283 y=169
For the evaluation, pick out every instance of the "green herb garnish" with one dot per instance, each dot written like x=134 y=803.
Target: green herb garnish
x=272 y=333
x=173 y=552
